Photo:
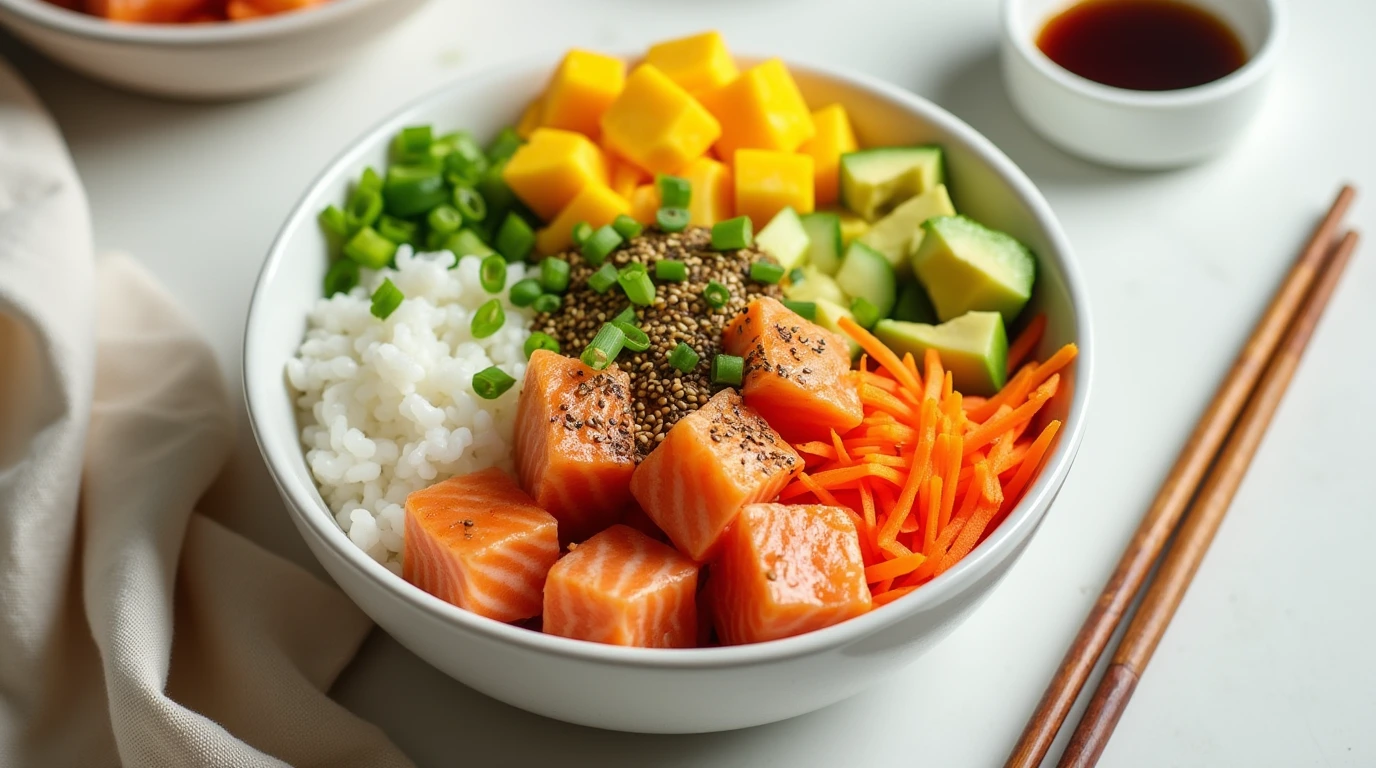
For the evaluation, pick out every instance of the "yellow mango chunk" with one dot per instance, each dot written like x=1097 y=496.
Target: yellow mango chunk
x=596 y=204
x=550 y=169
x=626 y=176
x=767 y=182
x=655 y=124
x=834 y=138
x=582 y=88
x=645 y=203
x=530 y=118
x=713 y=197
x=761 y=109
x=699 y=63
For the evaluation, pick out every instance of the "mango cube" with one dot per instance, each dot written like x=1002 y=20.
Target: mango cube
x=626 y=176
x=655 y=124
x=834 y=138
x=713 y=195
x=761 y=109
x=768 y=182
x=645 y=203
x=550 y=169
x=596 y=204
x=582 y=88
x=699 y=63
x=531 y=117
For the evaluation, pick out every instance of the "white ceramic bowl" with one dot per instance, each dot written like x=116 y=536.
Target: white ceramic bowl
x=1139 y=129
x=652 y=690
x=206 y=61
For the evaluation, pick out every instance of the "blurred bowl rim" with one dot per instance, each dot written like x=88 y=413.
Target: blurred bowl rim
x=59 y=19
x=306 y=505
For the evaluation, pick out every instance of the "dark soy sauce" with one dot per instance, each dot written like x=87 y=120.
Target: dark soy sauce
x=1142 y=45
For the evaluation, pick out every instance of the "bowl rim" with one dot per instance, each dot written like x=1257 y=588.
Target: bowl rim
x=1256 y=68
x=84 y=25
x=304 y=505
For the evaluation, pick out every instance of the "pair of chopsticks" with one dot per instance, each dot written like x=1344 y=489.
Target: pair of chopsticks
x=1203 y=481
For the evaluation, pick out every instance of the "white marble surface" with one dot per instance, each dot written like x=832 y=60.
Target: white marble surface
x=1267 y=662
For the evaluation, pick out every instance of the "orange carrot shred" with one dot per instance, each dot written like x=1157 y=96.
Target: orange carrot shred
x=948 y=385
x=834 y=477
x=816 y=448
x=935 y=494
x=971 y=402
x=1005 y=395
x=948 y=497
x=1030 y=463
x=886 y=402
x=911 y=364
x=1053 y=365
x=991 y=497
x=867 y=505
x=892 y=569
x=882 y=354
x=935 y=376
x=884 y=598
x=882 y=382
x=1026 y=342
x=840 y=448
x=822 y=494
x=981 y=435
x=887 y=460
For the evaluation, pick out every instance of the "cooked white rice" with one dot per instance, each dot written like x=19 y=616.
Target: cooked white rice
x=387 y=407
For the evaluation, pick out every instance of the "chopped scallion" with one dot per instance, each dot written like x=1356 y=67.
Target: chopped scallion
x=492 y=273
x=491 y=383
x=466 y=242
x=341 y=277
x=796 y=275
x=627 y=227
x=488 y=319
x=370 y=249
x=732 y=234
x=727 y=369
x=581 y=232
x=386 y=299
x=603 y=279
x=524 y=292
x=600 y=245
x=369 y=181
x=363 y=208
x=470 y=204
x=807 y=309
x=412 y=190
x=626 y=315
x=674 y=191
x=547 y=302
x=540 y=340
x=671 y=271
x=635 y=281
x=444 y=219
x=515 y=239
x=397 y=230
x=414 y=140
x=715 y=294
x=333 y=221
x=672 y=219
x=605 y=346
x=683 y=358
x=764 y=272
x=636 y=339
x=866 y=313
x=504 y=146
x=554 y=275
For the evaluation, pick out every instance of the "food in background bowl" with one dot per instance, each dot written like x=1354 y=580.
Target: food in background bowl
x=808 y=422
x=184 y=11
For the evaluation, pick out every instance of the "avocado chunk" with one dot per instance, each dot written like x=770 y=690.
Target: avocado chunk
x=875 y=181
x=824 y=241
x=967 y=267
x=913 y=304
x=829 y=315
x=866 y=273
x=784 y=238
x=814 y=286
x=899 y=234
x=973 y=347
x=852 y=227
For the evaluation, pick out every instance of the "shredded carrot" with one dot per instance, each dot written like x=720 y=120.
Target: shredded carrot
x=971 y=402
x=882 y=382
x=1027 y=341
x=887 y=460
x=948 y=385
x=948 y=498
x=1031 y=462
x=882 y=354
x=864 y=450
x=981 y=435
x=888 y=596
x=935 y=377
x=886 y=402
x=892 y=569
x=1005 y=395
x=822 y=494
x=1053 y=365
x=935 y=495
x=835 y=477
x=894 y=433
x=911 y=364
x=895 y=548
x=867 y=505
x=816 y=448
x=840 y=448
x=991 y=497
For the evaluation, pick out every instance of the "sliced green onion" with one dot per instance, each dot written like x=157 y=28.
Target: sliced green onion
x=581 y=232
x=626 y=315
x=369 y=181
x=492 y=273
x=733 y=234
x=504 y=146
x=605 y=346
x=386 y=299
x=807 y=309
x=463 y=167
x=683 y=358
x=470 y=204
x=796 y=275
x=540 y=340
x=627 y=227
x=671 y=271
x=727 y=369
x=333 y=221
x=466 y=242
x=600 y=245
x=866 y=313
x=414 y=140
x=488 y=319
x=491 y=383
x=603 y=279
x=715 y=294
x=412 y=190
x=554 y=274
x=341 y=277
x=635 y=281
x=547 y=302
x=397 y=230
x=672 y=219
x=444 y=219
x=363 y=209
x=636 y=339
x=515 y=239
x=674 y=191
x=525 y=292
x=764 y=272
x=370 y=249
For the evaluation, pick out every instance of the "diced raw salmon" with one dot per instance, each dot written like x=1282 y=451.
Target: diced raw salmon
x=787 y=569
x=479 y=542
x=623 y=588
x=711 y=463
x=636 y=518
x=575 y=442
x=797 y=374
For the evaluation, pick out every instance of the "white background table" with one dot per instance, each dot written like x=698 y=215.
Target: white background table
x=1268 y=662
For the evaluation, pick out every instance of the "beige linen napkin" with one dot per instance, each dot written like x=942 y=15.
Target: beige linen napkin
x=134 y=631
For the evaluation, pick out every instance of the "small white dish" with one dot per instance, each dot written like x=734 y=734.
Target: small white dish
x=1140 y=129
x=206 y=61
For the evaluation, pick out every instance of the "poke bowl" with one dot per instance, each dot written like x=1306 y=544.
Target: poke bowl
x=604 y=684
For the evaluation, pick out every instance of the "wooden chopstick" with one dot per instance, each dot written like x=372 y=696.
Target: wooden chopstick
x=1197 y=532
x=1175 y=493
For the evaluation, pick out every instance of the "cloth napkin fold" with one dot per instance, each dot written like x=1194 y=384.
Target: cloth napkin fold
x=133 y=630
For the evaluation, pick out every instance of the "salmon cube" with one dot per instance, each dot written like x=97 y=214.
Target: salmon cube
x=787 y=569
x=479 y=542
x=575 y=442
x=797 y=374
x=711 y=463
x=623 y=588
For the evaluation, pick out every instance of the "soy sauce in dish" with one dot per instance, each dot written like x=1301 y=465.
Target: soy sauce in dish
x=1142 y=45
